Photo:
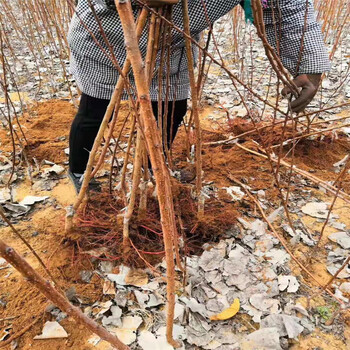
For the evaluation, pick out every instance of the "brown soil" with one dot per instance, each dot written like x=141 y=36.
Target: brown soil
x=24 y=302
x=320 y=340
x=47 y=127
x=317 y=155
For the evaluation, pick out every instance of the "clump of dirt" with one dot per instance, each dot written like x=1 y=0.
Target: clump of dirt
x=48 y=134
x=260 y=132
x=321 y=154
x=316 y=155
x=239 y=126
x=223 y=162
x=46 y=127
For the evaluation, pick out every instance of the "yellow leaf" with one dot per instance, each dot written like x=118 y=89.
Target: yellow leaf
x=228 y=313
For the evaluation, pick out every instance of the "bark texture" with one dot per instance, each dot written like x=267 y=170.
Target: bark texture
x=155 y=150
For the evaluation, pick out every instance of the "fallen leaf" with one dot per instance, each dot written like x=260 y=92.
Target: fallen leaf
x=136 y=278
x=6 y=177
x=17 y=209
x=288 y=281
x=345 y=287
x=98 y=309
x=194 y=306
x=342 y=238
x=127 y=332
x=55 y=169
x=316 y=210
x=262 y=339
x=52 y=330
x=228 y=313
x=5 y=195
x=210 y=260
x=286 y=325
x=148 y=341
x=115 y=318
x=30 y=200
x=235 y=192
x=108 y=288
x=120 y=277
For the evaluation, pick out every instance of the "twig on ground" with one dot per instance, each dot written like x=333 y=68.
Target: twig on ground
x=280 y=238
x=45 y=287
x=16 y=232
x=20 y=333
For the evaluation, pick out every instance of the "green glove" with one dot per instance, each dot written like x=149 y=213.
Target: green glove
x=248 y=11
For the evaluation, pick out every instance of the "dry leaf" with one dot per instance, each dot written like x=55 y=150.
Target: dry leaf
x=52 y=330
x=228 y=313
x=136 y=278
x=108 y=288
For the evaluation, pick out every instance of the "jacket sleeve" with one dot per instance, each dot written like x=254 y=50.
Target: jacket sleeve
x=285 y=29
x=204 y=13
x=109 y=4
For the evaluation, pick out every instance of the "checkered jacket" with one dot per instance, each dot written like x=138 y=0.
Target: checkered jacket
x=96 y=75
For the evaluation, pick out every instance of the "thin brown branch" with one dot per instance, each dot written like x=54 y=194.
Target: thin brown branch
x=45 y=287
x=281 y=239
x=154 y=145
x=16 y=232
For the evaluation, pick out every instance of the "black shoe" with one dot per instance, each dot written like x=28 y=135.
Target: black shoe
x=187 y=175
x=77 y=181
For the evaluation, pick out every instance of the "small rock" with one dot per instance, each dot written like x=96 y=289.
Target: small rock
x=30 y=200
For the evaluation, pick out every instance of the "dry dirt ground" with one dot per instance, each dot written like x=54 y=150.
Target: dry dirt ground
x=47 y=128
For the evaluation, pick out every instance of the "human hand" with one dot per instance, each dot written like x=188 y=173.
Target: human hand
x=309 y=84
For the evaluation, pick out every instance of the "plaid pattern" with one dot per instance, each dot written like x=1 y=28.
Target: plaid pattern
x=96 y=76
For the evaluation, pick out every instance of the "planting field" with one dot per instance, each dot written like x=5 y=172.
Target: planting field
x=235 y=236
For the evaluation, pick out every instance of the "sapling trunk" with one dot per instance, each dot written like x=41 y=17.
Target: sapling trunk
x=115 y=99
x=126 y=160
x=151 y=55
x=194 y=96
x=141 y=215
x=133 y=192
x=154 y=144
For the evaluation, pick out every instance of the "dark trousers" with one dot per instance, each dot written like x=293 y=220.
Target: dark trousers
x=87 y=122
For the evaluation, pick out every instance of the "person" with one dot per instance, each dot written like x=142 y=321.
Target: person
x=96 y=76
